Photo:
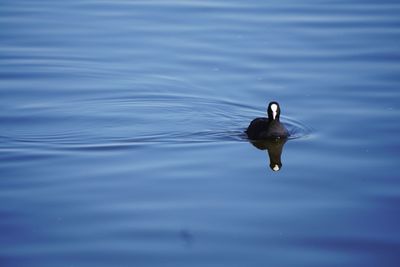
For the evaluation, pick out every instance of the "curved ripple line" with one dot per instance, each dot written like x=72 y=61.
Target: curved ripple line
x=296 y=129
x=131 y=118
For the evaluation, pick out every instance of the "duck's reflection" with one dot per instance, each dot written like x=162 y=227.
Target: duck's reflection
x=274 y=148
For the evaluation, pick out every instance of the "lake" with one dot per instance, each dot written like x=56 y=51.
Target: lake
x=122 y=136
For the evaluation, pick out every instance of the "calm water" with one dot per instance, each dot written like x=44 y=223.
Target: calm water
x=121 y=133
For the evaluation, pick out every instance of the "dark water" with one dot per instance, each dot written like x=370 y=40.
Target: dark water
x=121 y=133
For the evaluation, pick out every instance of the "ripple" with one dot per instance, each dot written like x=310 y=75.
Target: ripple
x=154 y=110
x=296 y=128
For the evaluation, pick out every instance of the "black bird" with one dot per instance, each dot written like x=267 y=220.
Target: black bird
x=268 y=128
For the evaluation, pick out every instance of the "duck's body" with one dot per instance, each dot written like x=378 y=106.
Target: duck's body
x=263 y=128
x=267 y=128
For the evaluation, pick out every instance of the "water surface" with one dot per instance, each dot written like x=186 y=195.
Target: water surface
x=122 y=143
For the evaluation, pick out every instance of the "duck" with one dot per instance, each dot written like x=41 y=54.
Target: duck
x=268 y=128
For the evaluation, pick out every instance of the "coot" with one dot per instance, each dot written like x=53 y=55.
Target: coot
x=268 y=128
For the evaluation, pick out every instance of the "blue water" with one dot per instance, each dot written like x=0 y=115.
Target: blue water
x=122 y=133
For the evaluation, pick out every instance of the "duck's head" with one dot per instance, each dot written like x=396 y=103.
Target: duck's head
x=273 y=111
